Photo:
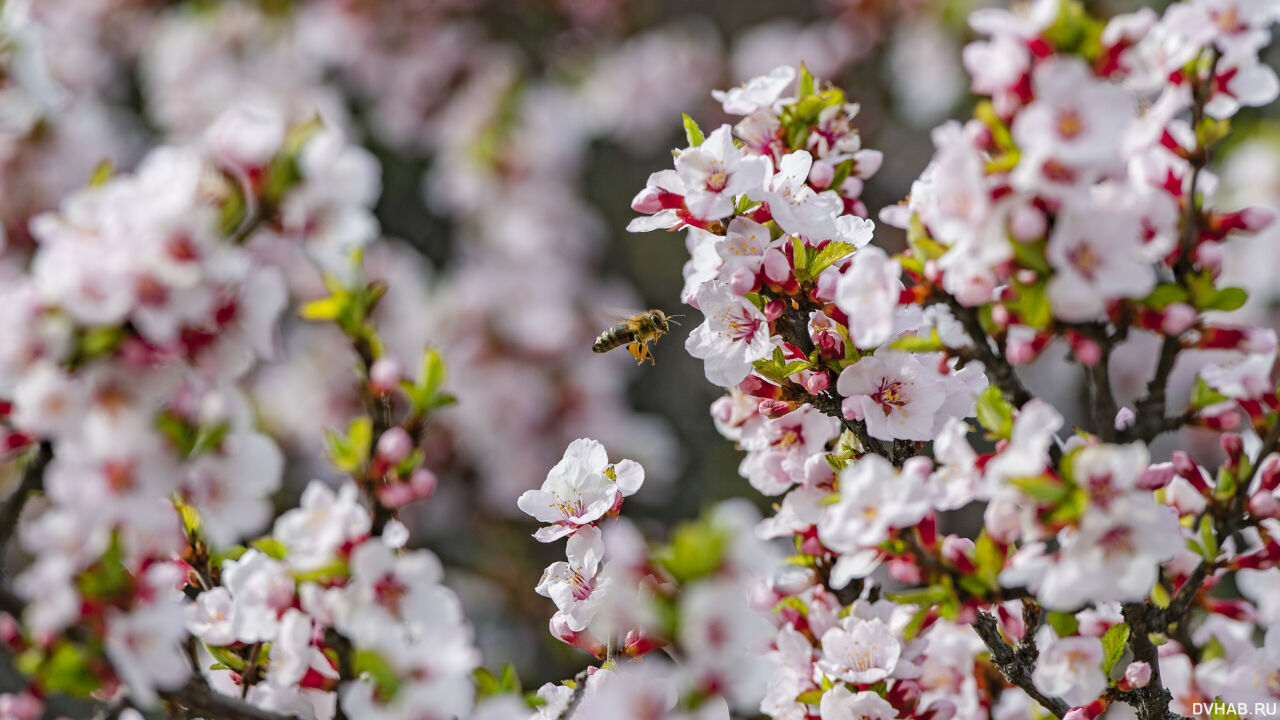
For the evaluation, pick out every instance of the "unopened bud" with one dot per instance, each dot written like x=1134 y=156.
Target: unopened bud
x=1137 y=675
x=1177 y=318
x=395 y=495
x=384 y=375
x=1264 y=504
x=394 y=445
x=939 y=710
x=1124 y=419
x=1233 y=446
x=904 y=696
x=1156 y=476
x=956 y=550
x=905 y=571
x=423 y=482
x=821 y=175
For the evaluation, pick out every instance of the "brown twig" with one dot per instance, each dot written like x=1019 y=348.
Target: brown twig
x=1017 y=664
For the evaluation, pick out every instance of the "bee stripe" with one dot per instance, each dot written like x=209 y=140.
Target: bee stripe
x=615 y=336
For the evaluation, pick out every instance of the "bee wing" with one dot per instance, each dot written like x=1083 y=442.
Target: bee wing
x=611 y=316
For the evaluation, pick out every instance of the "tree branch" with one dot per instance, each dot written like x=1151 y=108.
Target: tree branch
x=198 y=697
x=997 y=366
x=1016 y=666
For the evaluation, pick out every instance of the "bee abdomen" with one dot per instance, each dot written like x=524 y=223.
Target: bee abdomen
x=613 y=337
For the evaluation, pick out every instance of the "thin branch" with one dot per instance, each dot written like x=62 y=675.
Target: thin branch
x=997 y=366
x=579 y=690
x=1016 y=666
x=198 y=697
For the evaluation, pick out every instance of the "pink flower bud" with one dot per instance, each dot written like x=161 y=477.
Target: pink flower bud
x=1264 y=504
x=1124 y=418
x=1137 y=675
x=384 y=375
x=1210 y=256
x=423 y=482
x=817 y=382
x=1027 y=222
x=932 y=271
x=395 y=495
x=1220 y=416
x=647 y=201
x=560 y=630
x=957 y=551
x=939 y=710
x=905 y=571
x=1156 y=476
x=1270 y=472
x=742 y=282
x=773 y=310
x=1233 y=446
x=1187 y=469
x=1256 y=219
x=792 y=580
x=1086 y=350
x=821 y=175
x=904 y=696
x=638 y=644
x=394 y=445
x=1086 y=712
x=1177 y=318
x=774 y=409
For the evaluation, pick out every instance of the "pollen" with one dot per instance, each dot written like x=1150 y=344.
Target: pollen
x=1070 y=125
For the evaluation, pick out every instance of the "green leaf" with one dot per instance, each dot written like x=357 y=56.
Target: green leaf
x=924 y=597
x=270 y=547
x=1203 y=396
x=102 y=172
x=695 y=551
x=915 y=343
x=804 y=87
x=830 y=253
x=68 y=669
x=989 y=559
x=1208 y=540
x=486 y=683
x=1032 y=304
x=1113 y=641
x=509 y=682
x=810 y=697
x=692 y=132
x=778 y=368
x=922 y=246
x=226 y=656
x=994 y=412
x=385 y=681
x=1064 y=623
x=1042 y=488
x=1031 y=255
x=336 y=568
x=1228 y=299
x=1165 y=295
x=1222 y=710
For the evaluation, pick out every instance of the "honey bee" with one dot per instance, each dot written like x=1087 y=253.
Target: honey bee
x=635 y=332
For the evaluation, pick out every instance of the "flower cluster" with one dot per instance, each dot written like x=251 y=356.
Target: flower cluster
x=621 y=600
x=1074 y=209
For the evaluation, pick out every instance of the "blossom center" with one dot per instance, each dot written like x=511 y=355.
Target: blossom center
x=892 y=394
x=1086 y=262
x=717 y=177
x=1069 y=125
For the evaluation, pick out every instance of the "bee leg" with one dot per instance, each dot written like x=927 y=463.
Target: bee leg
x=638 y=351
x=645 y=354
